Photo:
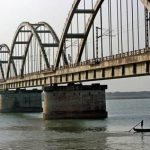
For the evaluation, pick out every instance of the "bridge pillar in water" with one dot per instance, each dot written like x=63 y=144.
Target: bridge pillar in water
x=20 y=101
x=75 y=102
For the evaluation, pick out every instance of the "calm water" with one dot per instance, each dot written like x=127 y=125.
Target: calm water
x=31 y=132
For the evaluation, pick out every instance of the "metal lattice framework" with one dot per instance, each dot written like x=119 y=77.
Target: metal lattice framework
x=4 y=57
x=44 y=38
x=83 y=36
x=36 y=47
x=112 y=10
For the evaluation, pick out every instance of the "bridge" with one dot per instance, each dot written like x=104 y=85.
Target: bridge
x=101 y=39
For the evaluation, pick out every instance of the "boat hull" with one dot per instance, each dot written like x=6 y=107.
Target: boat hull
x=141 y=130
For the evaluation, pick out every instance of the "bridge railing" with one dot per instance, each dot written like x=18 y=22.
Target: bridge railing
x=107 y=58
x=88 y=62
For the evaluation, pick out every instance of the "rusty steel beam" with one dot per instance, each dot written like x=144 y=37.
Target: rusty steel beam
x=82 y=11
x=3 y=62
x=21 y=42
x=17 y=57
x=78 y=35
x=50 y=44
x=43 y=31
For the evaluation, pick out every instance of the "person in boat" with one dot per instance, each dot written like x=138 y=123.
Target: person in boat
x=142 y=123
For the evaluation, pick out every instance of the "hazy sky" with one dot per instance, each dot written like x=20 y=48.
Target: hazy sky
x=54 y=12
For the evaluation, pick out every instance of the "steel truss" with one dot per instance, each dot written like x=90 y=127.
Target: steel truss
x=22 y=39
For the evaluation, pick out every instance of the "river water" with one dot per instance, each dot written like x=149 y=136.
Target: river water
x=30 y=132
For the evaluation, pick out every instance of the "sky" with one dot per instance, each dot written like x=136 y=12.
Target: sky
x=54 y=12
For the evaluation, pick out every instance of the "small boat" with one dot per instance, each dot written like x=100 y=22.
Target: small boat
x=141 y=130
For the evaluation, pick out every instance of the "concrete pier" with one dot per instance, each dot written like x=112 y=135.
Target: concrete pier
x=20 y=101
x=75 y=102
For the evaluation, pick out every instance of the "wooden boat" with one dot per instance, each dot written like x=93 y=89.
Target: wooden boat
x=141 y=130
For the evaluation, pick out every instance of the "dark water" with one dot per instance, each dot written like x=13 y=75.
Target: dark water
x=31 y=132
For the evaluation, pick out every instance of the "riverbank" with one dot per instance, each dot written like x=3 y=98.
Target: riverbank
x=128 y=95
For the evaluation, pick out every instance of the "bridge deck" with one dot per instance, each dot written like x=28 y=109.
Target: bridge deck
x=130 y=64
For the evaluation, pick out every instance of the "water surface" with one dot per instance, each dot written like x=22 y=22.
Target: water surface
x=29 y=131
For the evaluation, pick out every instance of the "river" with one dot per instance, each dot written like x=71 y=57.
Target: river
x=30 y=132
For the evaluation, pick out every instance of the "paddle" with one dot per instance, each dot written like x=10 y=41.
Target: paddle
x=135 y=126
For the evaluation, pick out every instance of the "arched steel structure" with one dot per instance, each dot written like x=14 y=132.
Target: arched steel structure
x=32 y=43
x=114 y=35
x=146 y=4
x=116 y=14
x=83 y=36
x=4 y=58
x=22 y=40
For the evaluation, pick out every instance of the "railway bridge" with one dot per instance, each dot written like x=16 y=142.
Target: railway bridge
x=101 y=39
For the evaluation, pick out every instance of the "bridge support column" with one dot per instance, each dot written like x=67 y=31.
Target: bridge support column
x=75 y=102
x=20 y=101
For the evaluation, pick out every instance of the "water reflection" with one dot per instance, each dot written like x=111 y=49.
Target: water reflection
x=76 y=134
x=73 y=126
x=26 y=131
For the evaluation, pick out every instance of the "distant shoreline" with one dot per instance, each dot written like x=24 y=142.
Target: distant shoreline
x=127 y=95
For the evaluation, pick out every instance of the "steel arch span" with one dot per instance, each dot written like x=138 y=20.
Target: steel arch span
x=118 y=29
x=109 y=9
x=4 y=58
x=75 y=10
x=31 y=47
x=146 y=4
